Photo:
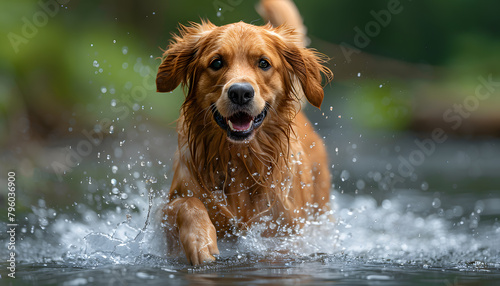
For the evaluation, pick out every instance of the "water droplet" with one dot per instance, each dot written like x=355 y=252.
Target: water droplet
x=114 y=169
x=344 y=176
x=125 y=50
x=95 y=64
x=359 y=74
x=479 y=206
x=104 y=89
x=113 y=182
x=458 y=211
x=436 y=203
x=424 y=186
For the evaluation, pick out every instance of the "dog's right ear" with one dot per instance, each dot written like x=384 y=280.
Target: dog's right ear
x=179 y=62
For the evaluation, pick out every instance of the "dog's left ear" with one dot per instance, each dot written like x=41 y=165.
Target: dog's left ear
x=307 y=66
x=178 y=62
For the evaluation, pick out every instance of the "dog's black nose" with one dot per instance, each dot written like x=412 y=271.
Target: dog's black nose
x=240 y=93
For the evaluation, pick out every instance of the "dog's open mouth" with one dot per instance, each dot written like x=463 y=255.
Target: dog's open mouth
x=241 y=125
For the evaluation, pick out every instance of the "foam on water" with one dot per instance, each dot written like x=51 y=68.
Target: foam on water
x=364 y=230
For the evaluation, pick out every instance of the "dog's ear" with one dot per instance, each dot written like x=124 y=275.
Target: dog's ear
x=304 y=64
x=307 y=66
x=179 y=60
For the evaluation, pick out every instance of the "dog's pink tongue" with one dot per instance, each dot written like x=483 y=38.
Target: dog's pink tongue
x=241 y=122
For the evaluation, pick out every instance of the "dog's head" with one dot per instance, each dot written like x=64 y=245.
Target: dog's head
x=241 y=73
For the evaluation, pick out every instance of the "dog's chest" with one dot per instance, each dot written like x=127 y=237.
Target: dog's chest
x=252 y=196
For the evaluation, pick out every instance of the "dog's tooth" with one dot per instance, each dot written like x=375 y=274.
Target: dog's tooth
x=230 y=125
x=250 y=125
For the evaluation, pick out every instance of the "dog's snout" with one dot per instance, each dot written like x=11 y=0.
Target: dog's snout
x=241 y=93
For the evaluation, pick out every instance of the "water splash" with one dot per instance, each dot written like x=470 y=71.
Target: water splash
x=363 y=230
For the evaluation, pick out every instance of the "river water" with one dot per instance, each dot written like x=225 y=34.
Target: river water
x=437 y=226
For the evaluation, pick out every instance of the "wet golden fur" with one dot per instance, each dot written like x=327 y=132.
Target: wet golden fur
x=279 y=176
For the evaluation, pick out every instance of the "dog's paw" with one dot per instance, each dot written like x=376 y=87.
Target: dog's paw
x=199 y=242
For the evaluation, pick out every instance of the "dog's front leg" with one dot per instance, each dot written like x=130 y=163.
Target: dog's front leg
x=196 y=232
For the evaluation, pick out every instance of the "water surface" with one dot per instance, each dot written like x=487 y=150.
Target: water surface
x=437 y=227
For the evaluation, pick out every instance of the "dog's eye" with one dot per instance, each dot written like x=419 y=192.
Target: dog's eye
x=216 y=64
x=264 y=64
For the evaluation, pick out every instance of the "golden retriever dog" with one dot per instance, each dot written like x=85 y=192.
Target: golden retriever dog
x=246 y=152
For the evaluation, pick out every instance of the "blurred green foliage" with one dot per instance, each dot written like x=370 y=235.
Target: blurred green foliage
x=87 y=58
